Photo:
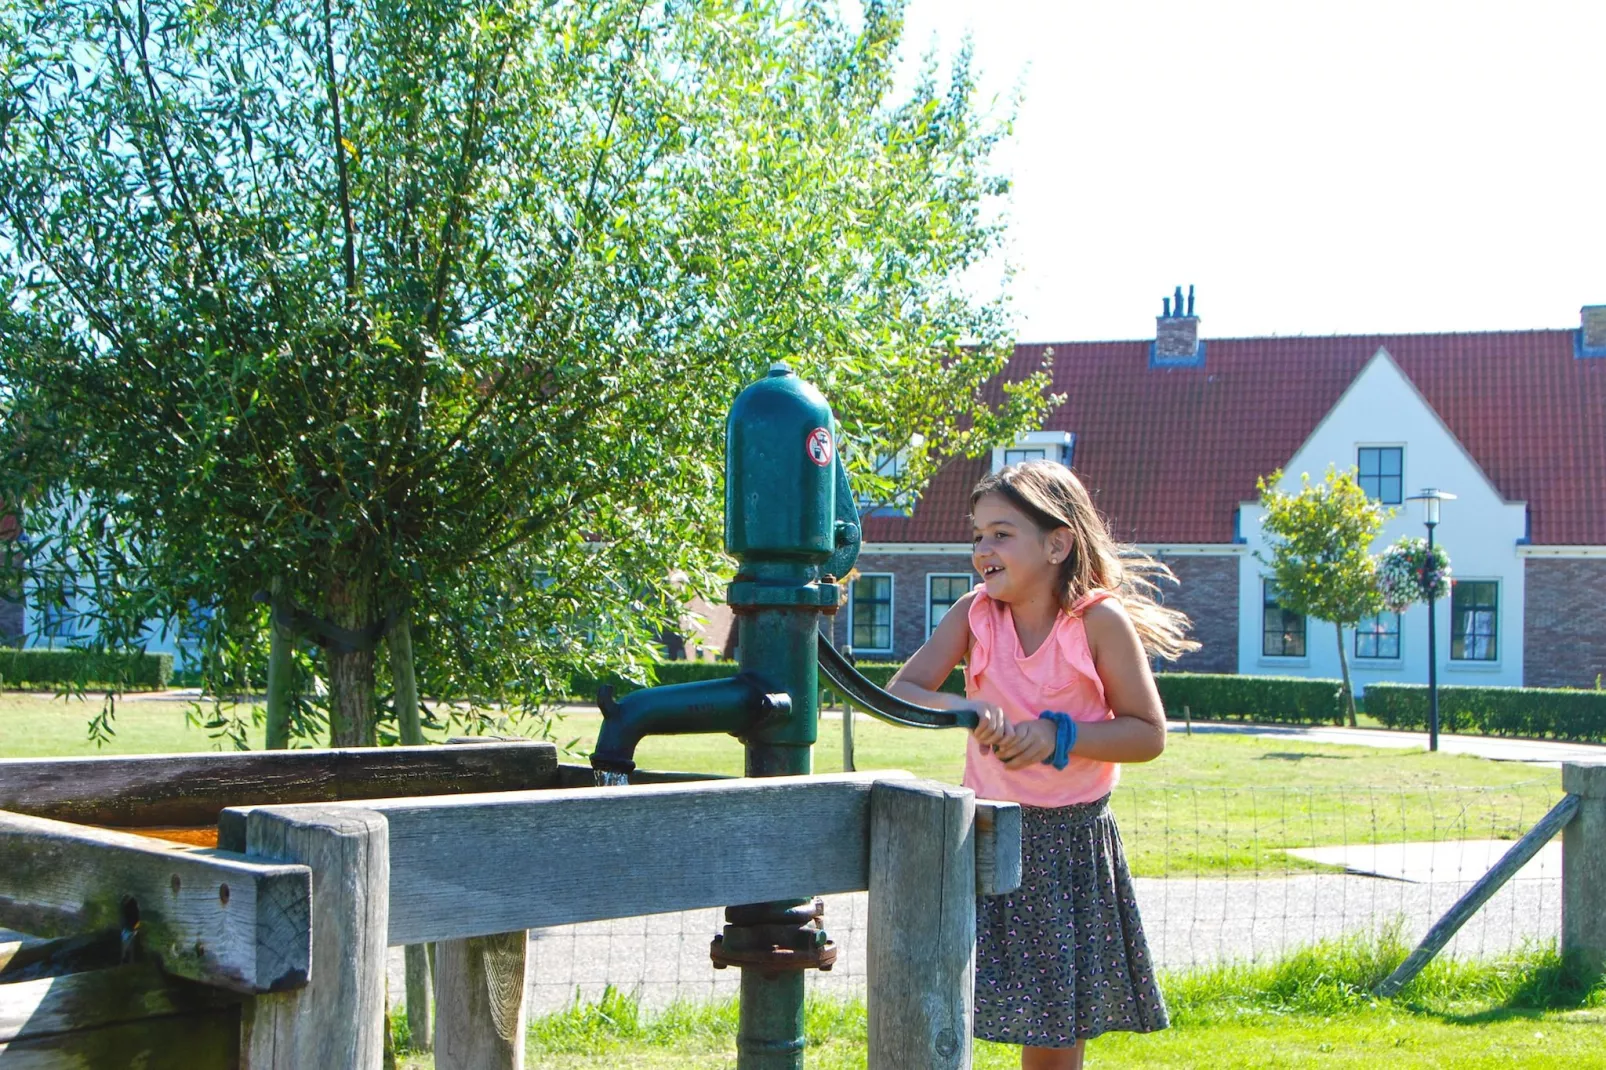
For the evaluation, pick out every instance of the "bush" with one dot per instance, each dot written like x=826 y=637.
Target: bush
x=1275 y=699
x=85 y=668
x=1536 y=712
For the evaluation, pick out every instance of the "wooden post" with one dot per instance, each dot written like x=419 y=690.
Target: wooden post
x=479 y=1001
x=410 y=729
x=922 y=933
x=847 y=735
x=1187 y=718
x=1583 y=868
x=338 y=1019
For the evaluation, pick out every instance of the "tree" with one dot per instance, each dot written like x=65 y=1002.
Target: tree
x=1321 y=560
x=426 y=316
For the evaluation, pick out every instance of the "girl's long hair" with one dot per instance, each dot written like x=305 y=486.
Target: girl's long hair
x=1053 y=498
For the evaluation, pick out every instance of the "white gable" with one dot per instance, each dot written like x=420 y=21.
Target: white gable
x=1480 y=530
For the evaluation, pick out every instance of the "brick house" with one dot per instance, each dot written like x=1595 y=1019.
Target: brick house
x=1171 y=434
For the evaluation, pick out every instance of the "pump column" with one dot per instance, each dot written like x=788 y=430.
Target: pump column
x=780 y=525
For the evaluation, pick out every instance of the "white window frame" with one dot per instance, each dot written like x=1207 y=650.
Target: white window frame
x=1379 y=659
x=970 y=581
x=1500 y=636
x=1267 y=582
x=1056 y=446
x=892 y=615
x=1359 y=446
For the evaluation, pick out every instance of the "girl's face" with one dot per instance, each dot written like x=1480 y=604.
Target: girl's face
x=1016 y=560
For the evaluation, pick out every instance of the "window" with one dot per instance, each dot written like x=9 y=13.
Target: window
x=1018 y=456
x=942 y=591
x=1036 y=446
x=1378 y=636
x=1283 y=631
x=1380 y=472
x=1474 y=613
x=872 y=613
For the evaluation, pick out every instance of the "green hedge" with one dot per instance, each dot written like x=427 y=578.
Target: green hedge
x=685 y=672
x=1536 y=712
x=112 y=669
x=1272 y=699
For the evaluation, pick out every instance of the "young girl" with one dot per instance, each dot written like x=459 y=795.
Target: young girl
x=1054 y=642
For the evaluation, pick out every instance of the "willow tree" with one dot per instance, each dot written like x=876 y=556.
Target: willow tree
x=428 y=313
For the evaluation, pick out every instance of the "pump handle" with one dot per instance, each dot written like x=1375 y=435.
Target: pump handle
x=883 y=704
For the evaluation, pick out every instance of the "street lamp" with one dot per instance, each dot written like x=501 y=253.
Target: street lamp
x=1430 y=498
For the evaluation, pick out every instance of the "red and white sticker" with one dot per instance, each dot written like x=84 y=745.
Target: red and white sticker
x=819 y=446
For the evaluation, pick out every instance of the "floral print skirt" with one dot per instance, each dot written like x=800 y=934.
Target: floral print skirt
x=1063 y=958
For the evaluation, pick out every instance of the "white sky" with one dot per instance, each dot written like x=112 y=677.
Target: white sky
x=1313 y=167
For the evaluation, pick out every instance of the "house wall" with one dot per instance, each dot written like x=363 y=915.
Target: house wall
x=1207 y=591
x=909 y=572
x=1564 y=634
x=1479 y=530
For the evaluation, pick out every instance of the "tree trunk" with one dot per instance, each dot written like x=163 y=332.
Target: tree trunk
x=281 y=695
x=1343 y=665
x=351 y=672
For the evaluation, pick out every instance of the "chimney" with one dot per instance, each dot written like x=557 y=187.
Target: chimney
x=1176 y=333
x=1592 y=335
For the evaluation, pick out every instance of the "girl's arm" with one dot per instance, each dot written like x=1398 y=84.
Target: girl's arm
x=1137 y=732
x=929 y=666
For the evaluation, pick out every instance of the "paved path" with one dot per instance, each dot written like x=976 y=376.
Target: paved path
x=1536 y=751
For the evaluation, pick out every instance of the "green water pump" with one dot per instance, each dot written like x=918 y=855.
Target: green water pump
x=792 y=524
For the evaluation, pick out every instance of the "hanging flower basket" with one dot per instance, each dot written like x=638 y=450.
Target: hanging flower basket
x=1407 y=573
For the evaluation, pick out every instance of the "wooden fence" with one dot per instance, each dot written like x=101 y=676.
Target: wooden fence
x=271 y=946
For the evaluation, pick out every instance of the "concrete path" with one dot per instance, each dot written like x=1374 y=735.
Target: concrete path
x=1535 y=751
x=1432 y=861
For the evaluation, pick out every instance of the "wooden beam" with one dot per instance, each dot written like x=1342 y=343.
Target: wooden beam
x=997 y=847
x=338 y=1019
x=209 y=916
x=208 y=1040
x=474 y=865
x=480 y=986
x=191 y=789
x=922 y=931
x=1474 y=897
x=95 y=998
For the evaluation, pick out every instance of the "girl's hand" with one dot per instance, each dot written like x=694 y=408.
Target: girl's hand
x=1031 y=742
x=992 y=724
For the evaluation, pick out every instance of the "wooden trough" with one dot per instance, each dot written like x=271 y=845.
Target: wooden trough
x=156 y=948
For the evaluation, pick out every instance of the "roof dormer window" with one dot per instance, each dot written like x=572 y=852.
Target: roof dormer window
x=1036 y=446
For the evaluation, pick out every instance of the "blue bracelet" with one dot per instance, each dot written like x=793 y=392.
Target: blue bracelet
x=1064 y=737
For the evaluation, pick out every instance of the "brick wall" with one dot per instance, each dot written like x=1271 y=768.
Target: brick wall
x=1207 y=591
x=909 y=572
x=1564 y=625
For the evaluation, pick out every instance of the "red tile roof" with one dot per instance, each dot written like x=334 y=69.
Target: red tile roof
x=1170 y=452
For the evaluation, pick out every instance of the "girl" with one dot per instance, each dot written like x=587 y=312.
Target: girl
x=1060 y=622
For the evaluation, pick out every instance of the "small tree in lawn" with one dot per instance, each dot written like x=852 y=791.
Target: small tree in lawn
x=1320 y=553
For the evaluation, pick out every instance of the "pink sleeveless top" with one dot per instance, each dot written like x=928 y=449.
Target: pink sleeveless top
x=1059 y=675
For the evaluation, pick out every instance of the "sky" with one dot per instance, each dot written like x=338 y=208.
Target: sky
x=1310 y=167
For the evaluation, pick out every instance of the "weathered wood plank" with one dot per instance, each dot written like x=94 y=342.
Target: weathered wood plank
x=100 y=997
x=206 y=1041
x=28 y=960
x=997 y=847
x=1474 y=897
x=473 y=865
x=1583 y=869
x=191 y=789
x=208 y=916
x=481 y=1002
x=922 y=931
x=338 y=1019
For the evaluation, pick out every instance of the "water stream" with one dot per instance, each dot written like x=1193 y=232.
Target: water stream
x=606 y=779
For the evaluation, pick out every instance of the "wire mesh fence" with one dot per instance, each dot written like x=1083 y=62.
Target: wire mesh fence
x=1223 y=875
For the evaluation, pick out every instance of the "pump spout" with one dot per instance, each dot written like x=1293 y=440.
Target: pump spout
x=736 y=705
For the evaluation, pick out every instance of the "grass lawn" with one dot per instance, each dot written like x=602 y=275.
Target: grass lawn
x=1211 y=805
x=1309 y=1010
